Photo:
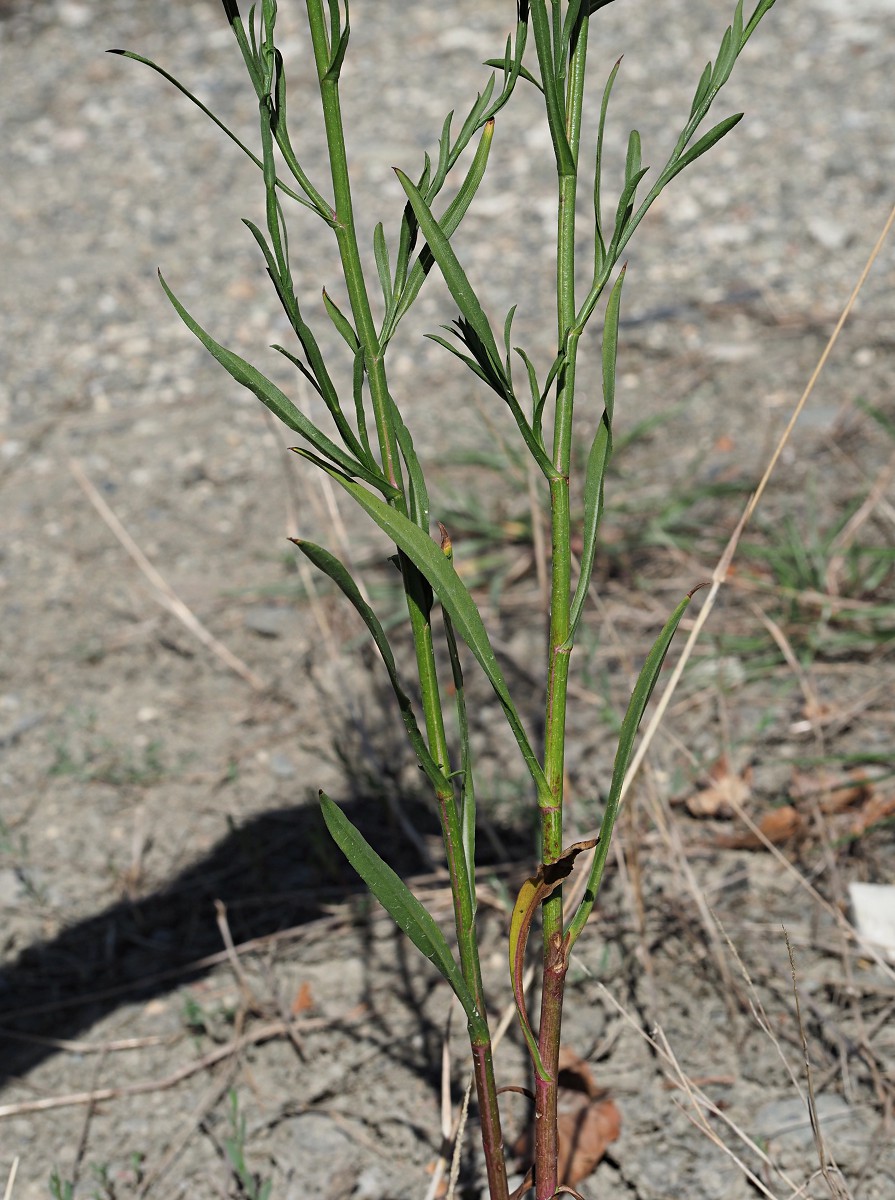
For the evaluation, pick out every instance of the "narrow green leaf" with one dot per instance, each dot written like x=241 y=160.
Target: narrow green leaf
x=481 y=364
x=278 y=403
x=454 y=275
x=623 y=212
x=727 y=56
x=454 y=596
x=643 y=689
x=524 y=72
x=565 y=161
x=600 y=244
x=633 y=159
x=475 y=119
x=444 y=151
x=507 y=331
x=568 y=27
x=220 y=124
x=341 y=322
x=418 y=494
x=705 y=143
x=383 y=267
x=702 y=88
x=358 y=375
x=316 y=372
x=600 y=451
x=534 y=388
x=763 y=7
x=453 y=215
x=399 y=902
x=335 y=67
x=340 y=575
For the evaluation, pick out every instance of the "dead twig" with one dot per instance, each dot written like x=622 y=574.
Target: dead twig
x=263 y=1033
x=209 y=1099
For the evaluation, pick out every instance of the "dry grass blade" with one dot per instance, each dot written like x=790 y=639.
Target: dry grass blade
x=10 y=1182
x=458 y=1142
x=719 y=575
x=702 y=1104
x=164 y=593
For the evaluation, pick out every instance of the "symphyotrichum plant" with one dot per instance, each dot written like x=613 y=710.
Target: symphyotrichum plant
x=369 y=453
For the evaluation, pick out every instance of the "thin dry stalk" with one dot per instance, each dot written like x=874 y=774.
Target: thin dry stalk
x=162 y=590
x=458 y=1141
x=813 y=706
x=702 y=1104
x=822 y=1156
x=13 y=1171
x=668 y=828
x=249 y=998
x=75 y=1047
x=832 y=910
x=209 y=1099
x=846 y=536
x=719 y=575
x=757 y=1008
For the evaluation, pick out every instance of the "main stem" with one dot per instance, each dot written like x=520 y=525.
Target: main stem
x=418 y=602
x=555 y=962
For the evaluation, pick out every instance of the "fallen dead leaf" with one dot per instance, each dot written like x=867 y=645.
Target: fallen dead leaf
x=589 y=1121
x=833 y=792
x=778 y=825
x=304 y=1000
x=725 y=793
x=877 y=808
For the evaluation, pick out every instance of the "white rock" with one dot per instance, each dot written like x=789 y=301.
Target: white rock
x=873 y=913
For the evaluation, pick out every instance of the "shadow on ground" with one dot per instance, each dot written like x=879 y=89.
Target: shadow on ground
x=272 y=873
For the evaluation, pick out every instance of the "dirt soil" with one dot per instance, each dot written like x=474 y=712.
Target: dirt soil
x=158 y=797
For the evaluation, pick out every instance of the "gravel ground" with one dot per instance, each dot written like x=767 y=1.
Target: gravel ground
x=141 y=779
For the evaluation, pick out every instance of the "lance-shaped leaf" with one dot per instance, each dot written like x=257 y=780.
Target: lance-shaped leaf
x=544 y=41
x=643 y=689
x=417 y=492
x=339 y=574
x=278 y=403
x=316 y=372
x=715 y=134
x=600 y=450
x=599 y=242
x=400 y=903
x=532 y=894
x=459 y=604
x=380 y=253
x=454 y=275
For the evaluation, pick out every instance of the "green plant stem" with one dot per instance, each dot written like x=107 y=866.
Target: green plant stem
x=560 y=648
x=346 y=236
x=419 y=605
